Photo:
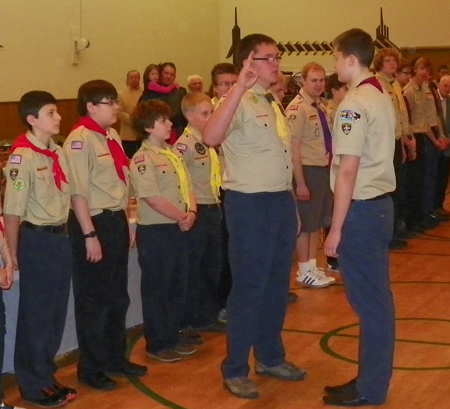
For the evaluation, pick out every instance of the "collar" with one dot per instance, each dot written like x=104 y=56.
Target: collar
x=384 y=77
x=39 y=144
x=258 y=89
x=359 y=79
x=196 y=134
x=148 y=145
x=308 y=98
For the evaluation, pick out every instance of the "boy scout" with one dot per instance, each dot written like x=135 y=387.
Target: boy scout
x=36 y=210
x=204 y=239
x=261 y=216
x=98 y=229
x=311 y=152
x=362 y=176
x=166 y=209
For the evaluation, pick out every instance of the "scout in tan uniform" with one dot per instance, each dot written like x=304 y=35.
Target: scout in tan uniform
x=36 y=209
x=98 y=228
x=204 y=239
x=311 y=151
x=261 y=216
x=362 y=176
x=166 y=210
x=385 y=64
x=336 y=90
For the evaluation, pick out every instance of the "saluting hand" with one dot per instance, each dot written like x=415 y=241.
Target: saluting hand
x=248 y=75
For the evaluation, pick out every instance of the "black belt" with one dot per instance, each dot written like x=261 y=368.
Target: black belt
x=372 y=198
x=107 y=212
x=209 y=206
x=46 y=229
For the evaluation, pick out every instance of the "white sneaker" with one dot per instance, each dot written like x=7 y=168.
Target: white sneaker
x=312 y=279
x=321 y=272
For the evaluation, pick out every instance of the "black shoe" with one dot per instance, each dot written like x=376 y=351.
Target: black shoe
x=404 y=234
x=397 y=244
x=344 y=389
x=439 y=217
x=211 y=328
x=52 y=399
x=292 y=297
x=189 y=336
x=66 y=391
x=418 y=228
x=351 y=400
x=97 y=380
x=128 y=369
x=429 y=222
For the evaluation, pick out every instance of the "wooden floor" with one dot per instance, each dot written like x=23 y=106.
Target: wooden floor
x=319 y=335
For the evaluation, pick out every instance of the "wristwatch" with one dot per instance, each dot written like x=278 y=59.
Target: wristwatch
x=90 y=235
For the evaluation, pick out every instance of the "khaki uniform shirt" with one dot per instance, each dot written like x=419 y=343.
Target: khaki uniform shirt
x=92 y=171
x=31 y=191
x=128 y=99
x=153 y=175
x=365 y=127
x=423 y=109
x=401 y=113
x=198 y=162
x=305 y=125
x=331 y=110
x=256 y=159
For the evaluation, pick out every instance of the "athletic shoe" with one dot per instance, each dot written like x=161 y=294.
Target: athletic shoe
x=321 y=272
x=312 y=279
x=333 y=265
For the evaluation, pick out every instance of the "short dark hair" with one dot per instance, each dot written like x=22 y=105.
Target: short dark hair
x=31 y=103
x=358 y=43
x=167 y=64
x=223 y=68
x=94 y=91
x=249 y=44
x=443 y=67
x=146 y=114
x=333 y=83
x=402 y=65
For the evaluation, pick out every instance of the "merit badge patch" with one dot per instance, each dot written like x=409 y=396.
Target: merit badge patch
x=346 y=128
x=141 y=169
x=139 y=159
x=19 y=184
x=292 y=118
x=200 y=148
x=13 y=173
x=350 y=115
x=77 y=145
x=181 y=147
x=17 y=159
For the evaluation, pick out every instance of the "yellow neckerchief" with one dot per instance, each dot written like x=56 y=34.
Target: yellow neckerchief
x=282 y=129
x=215 y=180
x=178 y=166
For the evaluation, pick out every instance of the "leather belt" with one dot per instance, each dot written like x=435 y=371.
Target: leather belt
x=46 y=229
x=372 y=199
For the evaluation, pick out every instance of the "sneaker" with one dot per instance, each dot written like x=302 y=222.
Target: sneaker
x=222 y=317
x=66 y=391
x=184 y=349
x=4 y=405
x=321 y=272
x=312 y=279
x=333 y=265
x=189 y=336
x=286 y=371
x=51 y=399
x=242 y=387
x=166 y=355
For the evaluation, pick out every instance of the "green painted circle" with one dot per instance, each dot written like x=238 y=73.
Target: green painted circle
x=324 y=344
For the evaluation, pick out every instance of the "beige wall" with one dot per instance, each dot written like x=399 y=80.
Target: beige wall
x=36 y=35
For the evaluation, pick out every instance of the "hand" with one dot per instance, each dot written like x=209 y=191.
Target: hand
x=412 y=154
x=187 y=221
x=331 y=244
x=132 y=239
x=6 y=277
x=248 y=75
x=302 y=193
x=93 y=250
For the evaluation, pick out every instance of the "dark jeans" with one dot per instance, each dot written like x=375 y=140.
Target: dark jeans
x=45 y=262
x=262 y=229
x=163 y=258
x=364 y=263
x=100 y=292
x=431 y=174
x=205 y=265
x=441 y=180
x=225 y=276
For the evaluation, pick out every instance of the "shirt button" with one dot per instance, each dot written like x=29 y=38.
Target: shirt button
x=285 y=151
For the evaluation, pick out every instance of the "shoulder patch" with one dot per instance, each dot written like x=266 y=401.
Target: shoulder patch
x=349 y=115
x=19 y=184
x=13 y=173
x=77 y=145
x=181 y=147
x=17 y=159
x=292 y=118
x=254 y=99
x=200 y=148
x=139 y=159
x=346 y=128
x=141 y=169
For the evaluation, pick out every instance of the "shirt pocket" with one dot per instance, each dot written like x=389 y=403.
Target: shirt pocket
x=44 y=182
x=106 y=171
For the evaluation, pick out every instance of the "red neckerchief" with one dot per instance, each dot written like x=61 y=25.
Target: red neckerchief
x=2 y=229
x=372 y=81
x=23 y=142
x=117 y=153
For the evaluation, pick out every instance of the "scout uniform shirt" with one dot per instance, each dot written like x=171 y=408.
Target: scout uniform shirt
x=256 y=159
x=365 y=127
x=392 y=87
x=92 y=171
x=31 y=191
x=198 y=162
x=153 y=175
x=331 y=110
x=305 y=126
x=423 y=109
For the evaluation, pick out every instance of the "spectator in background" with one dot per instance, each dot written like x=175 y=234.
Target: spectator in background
x=195 y=83
x=127 y=100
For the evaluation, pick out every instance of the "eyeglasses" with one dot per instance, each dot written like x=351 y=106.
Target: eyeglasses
x=226 y=84
x=268 y=59
x=110 y=102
